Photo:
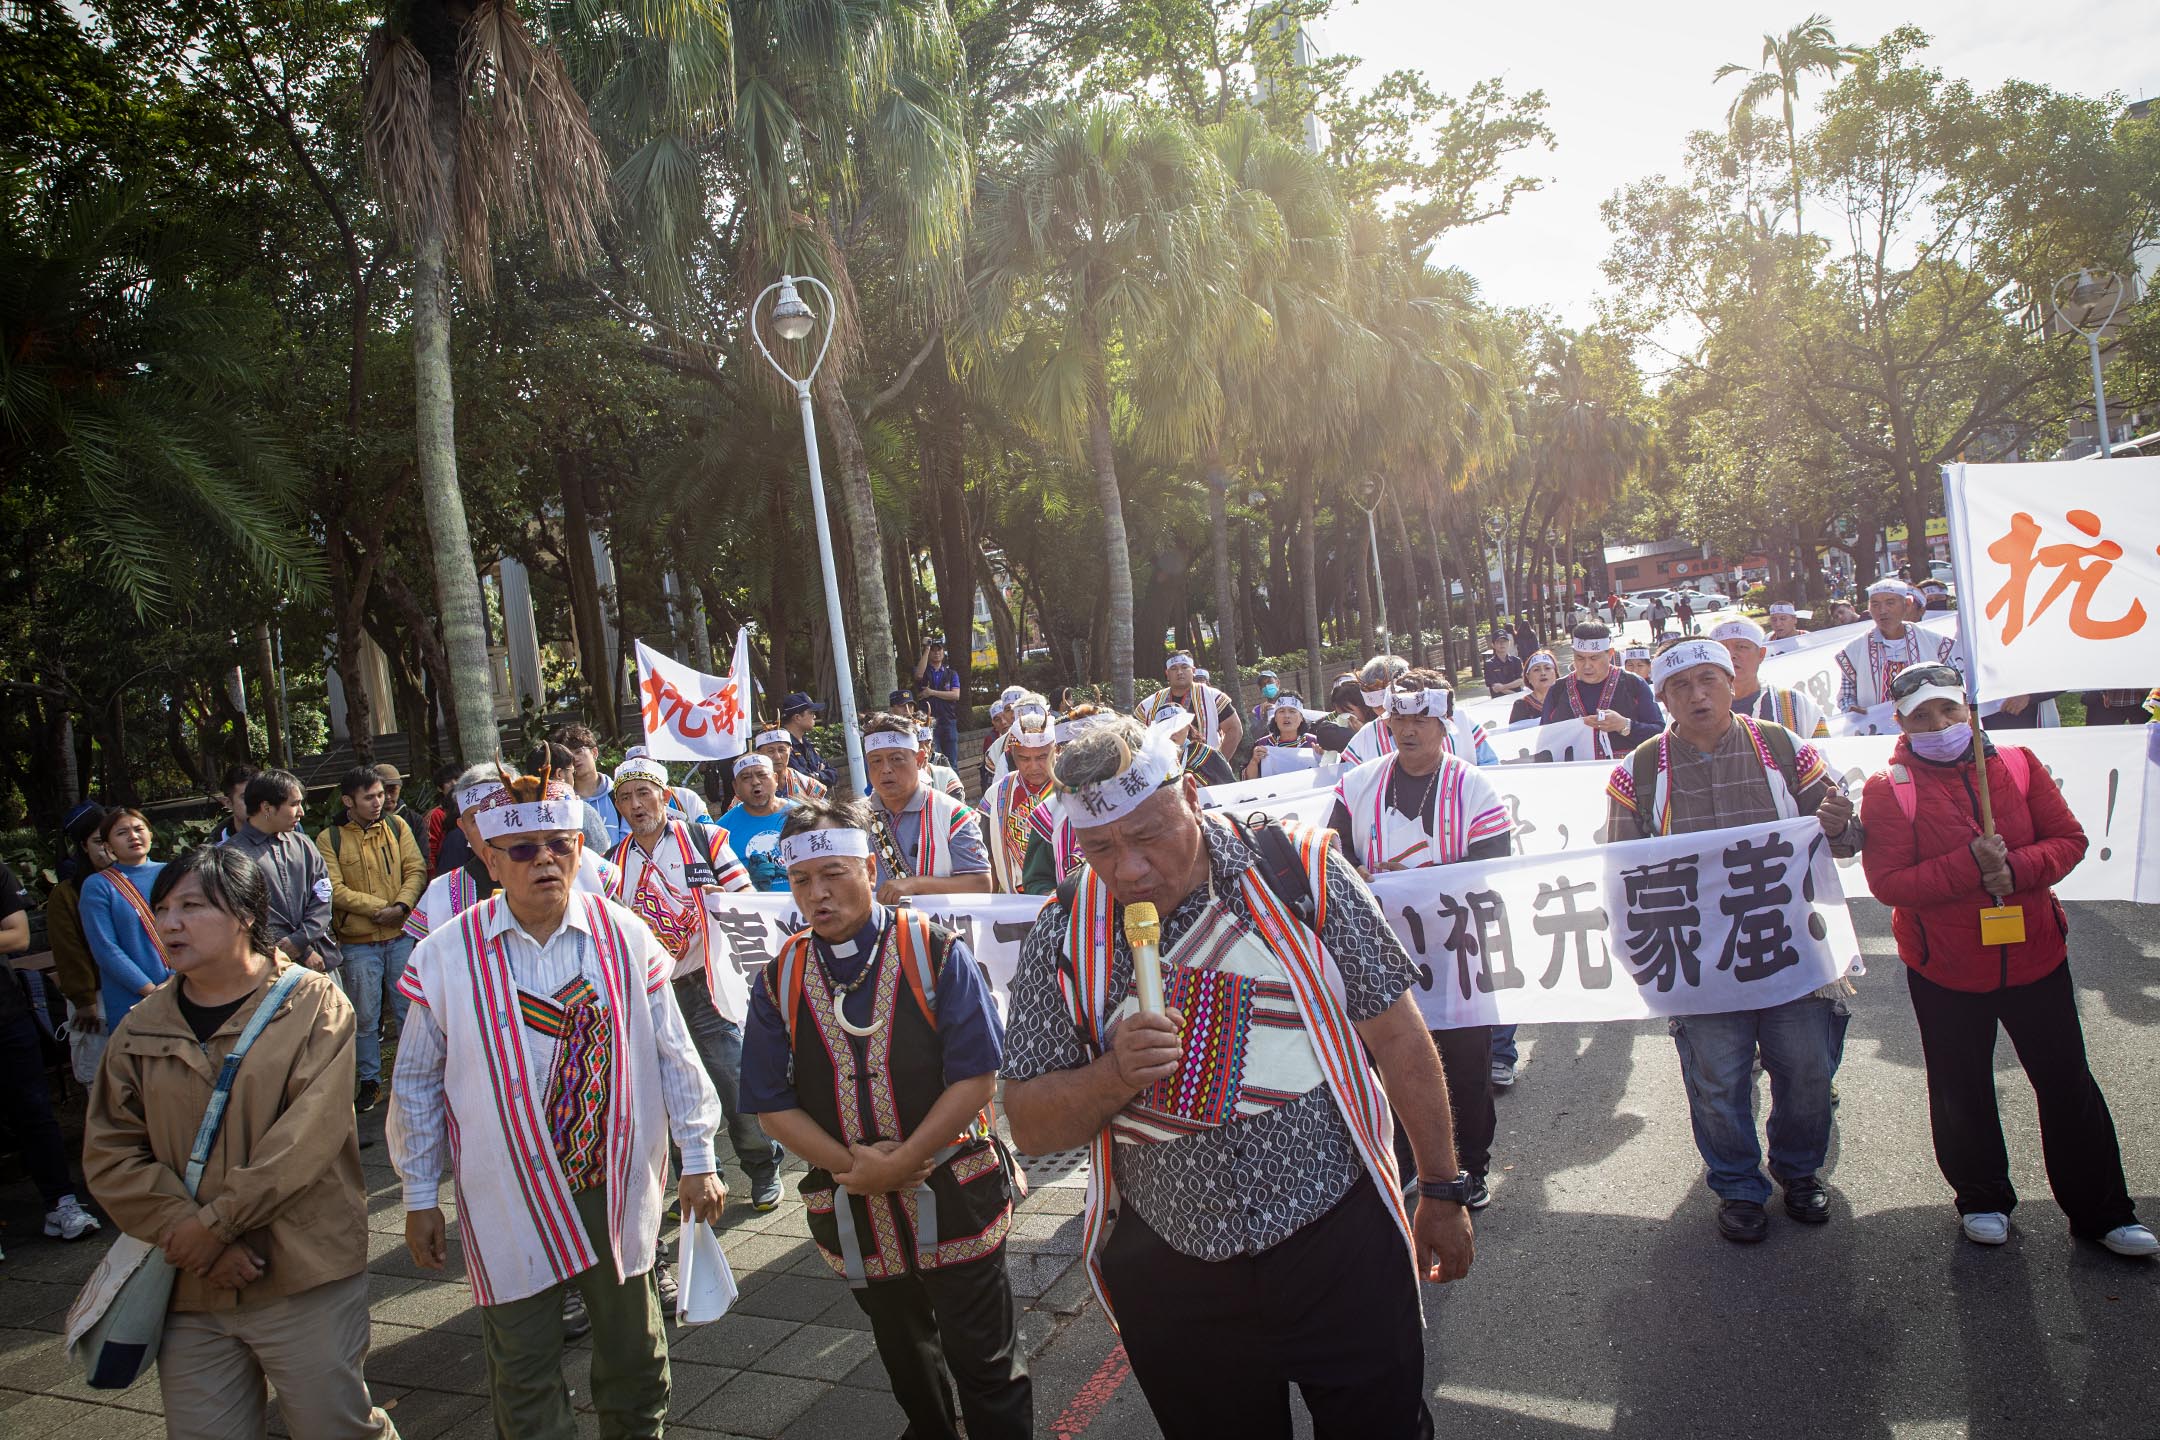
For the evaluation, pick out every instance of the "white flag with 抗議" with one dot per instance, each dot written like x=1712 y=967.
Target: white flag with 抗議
x=689 y=715
x=2058 y=574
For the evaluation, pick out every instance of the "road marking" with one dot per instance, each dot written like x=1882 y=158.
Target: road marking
x=1580 y=1414
x=1080 y=1411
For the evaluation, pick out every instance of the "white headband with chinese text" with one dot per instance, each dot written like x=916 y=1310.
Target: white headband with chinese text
x=824 y=845
x=1155 y=765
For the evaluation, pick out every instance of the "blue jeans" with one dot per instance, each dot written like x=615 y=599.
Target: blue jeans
x=719 y=1045
x=947 y=730
x=368 y=971
x=1717 y=1060
x=1503 y=1046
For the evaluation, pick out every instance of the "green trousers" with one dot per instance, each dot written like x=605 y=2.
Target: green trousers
x=524 y=1341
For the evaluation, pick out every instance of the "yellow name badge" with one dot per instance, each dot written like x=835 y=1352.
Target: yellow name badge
x=2002 y=925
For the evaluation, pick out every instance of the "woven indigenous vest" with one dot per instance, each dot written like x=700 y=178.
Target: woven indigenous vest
x=1259 y=981
x=1011 y=812
x=677 y=913
x=862 y=1090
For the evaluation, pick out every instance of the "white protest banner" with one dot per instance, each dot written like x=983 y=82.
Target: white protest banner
x=2108 y=779
x=1738 y=919
x=690 y=715
x=2055 y=563
x=1559 y=743
x=1258 y=794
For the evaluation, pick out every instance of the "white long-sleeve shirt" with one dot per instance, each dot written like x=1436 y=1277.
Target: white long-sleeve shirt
x=419 y=1142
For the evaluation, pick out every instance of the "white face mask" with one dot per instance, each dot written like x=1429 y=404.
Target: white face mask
x=1944 y=745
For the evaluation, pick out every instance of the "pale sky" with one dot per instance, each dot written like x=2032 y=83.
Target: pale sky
x=1627 y=84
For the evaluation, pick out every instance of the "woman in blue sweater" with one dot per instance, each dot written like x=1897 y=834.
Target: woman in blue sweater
x=116 y=917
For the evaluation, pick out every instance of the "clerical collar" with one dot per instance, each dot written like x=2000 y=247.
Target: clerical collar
x=853 y=952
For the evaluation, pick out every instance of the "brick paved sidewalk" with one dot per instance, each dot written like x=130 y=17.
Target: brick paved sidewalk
x=793 y=1357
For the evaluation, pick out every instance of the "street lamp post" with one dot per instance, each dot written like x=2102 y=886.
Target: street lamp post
x=1497 y=528
x=1367 y=495
x=791 y=319
x=2087 y=291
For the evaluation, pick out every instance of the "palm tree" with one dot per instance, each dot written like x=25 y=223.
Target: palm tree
x=1807 y=48
x=471 y=125
x=1203 y=383
x=1100 y=227
x=124 y=396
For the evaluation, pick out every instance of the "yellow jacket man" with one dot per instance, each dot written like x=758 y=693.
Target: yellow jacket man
x=376 y=877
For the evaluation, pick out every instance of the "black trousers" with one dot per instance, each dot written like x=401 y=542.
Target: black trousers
x=1216 y=1345
x=1466 y=1060
x=27 y=1101
x=962 y=1317
x=2077 y=1135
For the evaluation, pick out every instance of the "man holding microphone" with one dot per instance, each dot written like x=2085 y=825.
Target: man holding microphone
x=1244 y=1225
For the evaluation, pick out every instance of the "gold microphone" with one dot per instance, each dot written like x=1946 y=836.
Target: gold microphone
x=1143 y=931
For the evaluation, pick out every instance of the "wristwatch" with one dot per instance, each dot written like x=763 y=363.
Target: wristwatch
x=1455 y=1191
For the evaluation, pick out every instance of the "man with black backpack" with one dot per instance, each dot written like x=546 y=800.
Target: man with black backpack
x=1714 y=770
x=376 y=876
x=1244 y=1226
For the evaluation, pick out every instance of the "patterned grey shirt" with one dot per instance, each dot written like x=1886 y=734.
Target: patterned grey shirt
x=1240 y=1188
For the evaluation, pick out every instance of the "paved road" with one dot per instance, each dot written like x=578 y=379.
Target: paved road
x=1602 y=1302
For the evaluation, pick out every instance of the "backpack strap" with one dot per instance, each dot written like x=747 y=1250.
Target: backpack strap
x=787 y=978
x=921 y=956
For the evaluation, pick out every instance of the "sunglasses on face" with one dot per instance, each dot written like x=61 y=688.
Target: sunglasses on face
x=1912 y=677
x=527 y=851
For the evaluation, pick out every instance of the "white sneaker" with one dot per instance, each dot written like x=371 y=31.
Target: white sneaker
x=1988 y=1227
x=2132 y=1240
x=69 y=1221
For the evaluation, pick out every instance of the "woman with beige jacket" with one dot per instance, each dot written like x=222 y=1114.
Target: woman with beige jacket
x=272 y=1249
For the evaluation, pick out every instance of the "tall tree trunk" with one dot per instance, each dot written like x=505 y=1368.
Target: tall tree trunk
x=457 y=581
x=1116 y=556
x=1442 y=583
x=273 y=709
x=345 y=615
x=871 y=618
x=585 y=603
x=1408 y=557
x=1226 y=598
x=955 y=556
x=1307 y=585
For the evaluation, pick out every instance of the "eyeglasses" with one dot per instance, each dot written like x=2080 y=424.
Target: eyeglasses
x=1913 y=677
x=527 y=851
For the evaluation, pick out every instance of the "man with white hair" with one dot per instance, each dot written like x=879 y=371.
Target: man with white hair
x=1244 y=1226
x=1374 y=739
x=1215 y=718
x=1009 y=806
x=1745 y=642
x=543 y=1021
x=1868 y=665
x=1713 y=769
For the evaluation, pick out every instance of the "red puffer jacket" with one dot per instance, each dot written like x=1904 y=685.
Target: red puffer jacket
x=1924 y=867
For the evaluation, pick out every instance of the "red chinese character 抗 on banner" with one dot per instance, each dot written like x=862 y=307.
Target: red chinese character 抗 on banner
x=2082 y=566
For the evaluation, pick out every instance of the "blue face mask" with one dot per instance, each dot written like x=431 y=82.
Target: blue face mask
x=1271 y=691
x=1944 y=745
